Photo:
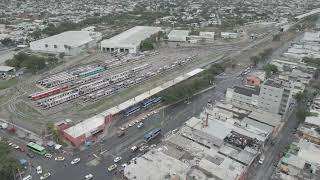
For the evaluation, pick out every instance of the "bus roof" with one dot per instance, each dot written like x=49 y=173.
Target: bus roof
x=147 y=134
x=36 y=146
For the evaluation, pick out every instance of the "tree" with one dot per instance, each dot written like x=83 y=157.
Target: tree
x=146 y=45
x=61 y=55
x=7 y=42
x=255 y=60
x=270 y=69
x=300 y=97
x=8 y=165
x=276 y=37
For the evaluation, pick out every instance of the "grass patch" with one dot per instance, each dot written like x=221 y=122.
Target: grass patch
x=4 y=84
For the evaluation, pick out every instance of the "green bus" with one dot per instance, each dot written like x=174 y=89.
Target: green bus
x=36 y=148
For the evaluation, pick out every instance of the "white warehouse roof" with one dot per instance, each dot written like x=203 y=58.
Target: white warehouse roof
x=131 y=37
x=71 y=38
x=179 y=33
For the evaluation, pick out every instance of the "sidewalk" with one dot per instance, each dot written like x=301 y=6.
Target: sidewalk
x=24 y=134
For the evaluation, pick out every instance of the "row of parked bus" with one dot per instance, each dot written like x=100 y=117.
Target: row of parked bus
x=144 y=104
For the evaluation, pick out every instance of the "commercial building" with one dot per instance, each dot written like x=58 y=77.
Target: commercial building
x=87 y=130
x=202 y=37
x=243 y=97
x=128 y=41
x=178 y=35
x=69 y=42
x=274 y=97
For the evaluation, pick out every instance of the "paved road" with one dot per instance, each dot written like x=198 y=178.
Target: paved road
x=283 y=139
x=95 y=162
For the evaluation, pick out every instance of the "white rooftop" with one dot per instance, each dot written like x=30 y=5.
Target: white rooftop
x=266 y=117
x=314 y=120
x=131 y=37
x=71 y=38
x=5 y=68
x=309 y=151
x=85 y=127
x=155 y=165
x=311 y=36
x=179 y=33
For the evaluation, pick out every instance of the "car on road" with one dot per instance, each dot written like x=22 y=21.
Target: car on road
x=88 y=176
x=45 y=176
x=39 y=170
x=30 y=155
x=112 y=167
x=117 y=159
x=124 y=165
x=261 y=160
x=122 y=128
x=143 y=148
x=48 y=155
x=140 y=125
x=16 y=147
x=75 y=161
x=137 y=121
x=59 y=158
x=134 y=148
x=131 y=124
x=29 y=177
x=133 y=160
x=120 y=133
x=10 y=143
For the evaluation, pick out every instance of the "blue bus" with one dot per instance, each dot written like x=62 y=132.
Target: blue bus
x=156 y=100
x=152 y=134
x=148 y=102
x=132 y=110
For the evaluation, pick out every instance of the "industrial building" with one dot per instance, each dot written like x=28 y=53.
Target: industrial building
x=178 y=35
x=5 y=70
x=130 y=40
x=69 y=42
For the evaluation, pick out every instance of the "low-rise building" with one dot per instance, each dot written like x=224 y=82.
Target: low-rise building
x=229 y=35
x=178 y=35
x=70 y=43
x=243 y=97
x=6 y=70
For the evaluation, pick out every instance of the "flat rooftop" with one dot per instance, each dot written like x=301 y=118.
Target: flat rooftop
x=155 y=165
x=266 y=117
x=85 y=127
x=6 y=68
x=179 y=33
x=131 y=37
x=272 y=83
x=246 y=90
x=71 y=38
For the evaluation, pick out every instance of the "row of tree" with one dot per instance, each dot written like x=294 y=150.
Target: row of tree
x=32 y=63
x=187 y=88
x=8 y=165
x=261 y=57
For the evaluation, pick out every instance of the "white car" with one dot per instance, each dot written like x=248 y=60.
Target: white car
x=122 y=128
x=140 y=125
x=39 y=170
x=137 y=121
x=133 y=160
x=75 y=161
x=124 y=165
x=131 y=124
x=112 y=167
x=134 y=148
x=29 y=177
x=48 y=155
x=88 y=176
x=117 y=159
x=59 y=158
x=45 y=176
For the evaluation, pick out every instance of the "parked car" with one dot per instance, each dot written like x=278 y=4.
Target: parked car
x=140 y=125
x=45 y=176
x=48 y=155
x=134 y=148
x=88 y=176
x=59 y=158
x=39 y=170
x=29 y=177
x=117 y=159
x=21 y=149
x=112 y=167
x=75 y=161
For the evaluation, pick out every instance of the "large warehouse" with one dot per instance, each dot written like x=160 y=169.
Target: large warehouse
x=128 y=41
x=69 y=42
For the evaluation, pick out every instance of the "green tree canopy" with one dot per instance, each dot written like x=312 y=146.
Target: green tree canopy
x=8 y=165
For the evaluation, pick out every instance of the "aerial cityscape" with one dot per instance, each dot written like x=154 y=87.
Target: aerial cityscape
x=160 y=90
